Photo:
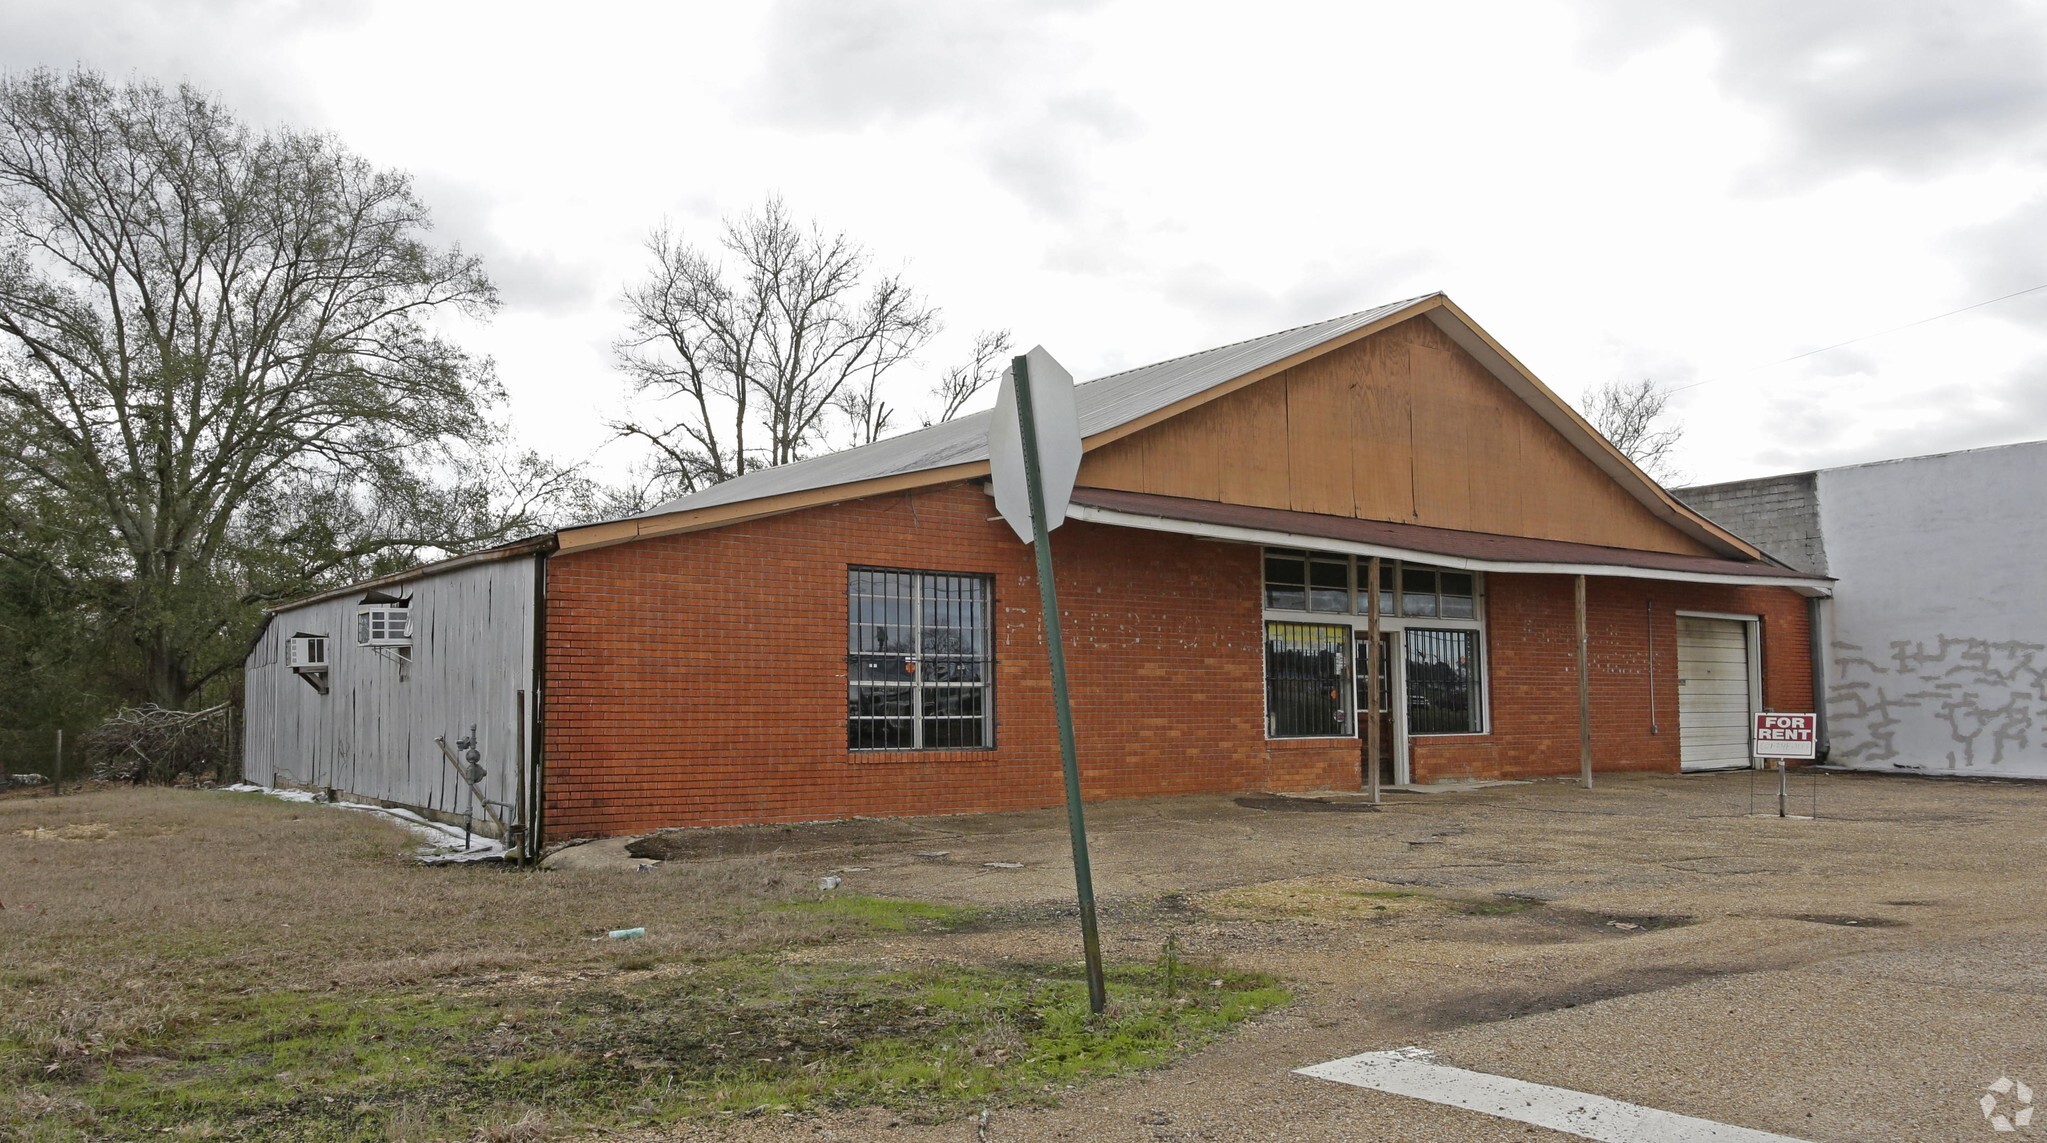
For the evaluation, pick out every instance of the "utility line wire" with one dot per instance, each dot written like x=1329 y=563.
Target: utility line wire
x=1867 y=336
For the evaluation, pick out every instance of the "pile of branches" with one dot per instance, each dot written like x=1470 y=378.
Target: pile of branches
x=148 y=743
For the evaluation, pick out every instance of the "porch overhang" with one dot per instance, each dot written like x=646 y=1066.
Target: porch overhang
x=1443 y=547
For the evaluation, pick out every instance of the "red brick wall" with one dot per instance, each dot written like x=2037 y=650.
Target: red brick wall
x=1532 y=636
x=700 y=679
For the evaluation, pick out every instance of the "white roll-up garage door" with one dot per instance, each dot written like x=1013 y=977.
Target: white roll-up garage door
x=1712 y=693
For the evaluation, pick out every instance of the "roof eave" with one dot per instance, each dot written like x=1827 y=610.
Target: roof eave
x=1802 y=583
x=1438 y=307
x=544 y=542
x=692 y=520
x=1473 y=339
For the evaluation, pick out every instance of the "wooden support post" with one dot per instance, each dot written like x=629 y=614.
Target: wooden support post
x=57 y=766
x=1584 y=688
x=1372 y=669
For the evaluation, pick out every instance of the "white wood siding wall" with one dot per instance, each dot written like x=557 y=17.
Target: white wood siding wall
x=372 y=735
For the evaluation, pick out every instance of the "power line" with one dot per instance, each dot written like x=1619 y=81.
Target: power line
x=1868 y=336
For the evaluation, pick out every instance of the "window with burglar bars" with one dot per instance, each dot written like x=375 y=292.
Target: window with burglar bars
x=1442 y=682
x=1306 y=685
x=920 y=662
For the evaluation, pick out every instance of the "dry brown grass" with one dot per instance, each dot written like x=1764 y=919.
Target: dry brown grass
x=122 y=909
x=230 y=966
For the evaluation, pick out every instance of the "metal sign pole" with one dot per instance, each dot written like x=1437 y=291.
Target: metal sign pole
x=1783 y=788
x=1048 y=599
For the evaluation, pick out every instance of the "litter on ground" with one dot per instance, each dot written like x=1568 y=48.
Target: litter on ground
x=443 y=844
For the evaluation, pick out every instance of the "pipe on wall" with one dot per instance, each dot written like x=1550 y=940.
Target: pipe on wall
x=536 y=715
x=1815 y=616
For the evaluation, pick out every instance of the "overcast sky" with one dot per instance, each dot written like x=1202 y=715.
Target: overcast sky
x=1615 y=189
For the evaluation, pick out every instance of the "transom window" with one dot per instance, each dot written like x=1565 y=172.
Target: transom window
x=919 y=661
x=1328 y=582
x=1433 y=616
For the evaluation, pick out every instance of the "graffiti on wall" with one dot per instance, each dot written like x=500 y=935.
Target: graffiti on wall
x=1948 y=704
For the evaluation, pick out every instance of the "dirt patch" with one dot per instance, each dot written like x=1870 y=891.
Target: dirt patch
x=1349 y=901
x=1731 y=866
x=741 y=841
x=1487 y=1006
x=1286 y=804
x=1850 y=922
x=83 y=831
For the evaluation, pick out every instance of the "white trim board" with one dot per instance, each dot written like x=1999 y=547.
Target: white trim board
x=1413 y=1072
x=1271 y=539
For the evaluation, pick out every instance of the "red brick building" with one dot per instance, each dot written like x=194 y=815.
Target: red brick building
x=859 y=634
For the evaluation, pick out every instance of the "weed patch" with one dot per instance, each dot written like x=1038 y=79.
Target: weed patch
x=735 y=1036
x=886 y=914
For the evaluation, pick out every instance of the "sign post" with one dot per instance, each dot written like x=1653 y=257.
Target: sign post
x=1782 y=737
x=1034 y=456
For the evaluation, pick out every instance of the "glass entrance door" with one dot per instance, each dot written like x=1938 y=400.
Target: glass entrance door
x=1389 y=668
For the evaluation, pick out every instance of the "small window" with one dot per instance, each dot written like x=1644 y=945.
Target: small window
x=1417 y=591
x=1286 y=581
x=919 y=661
x=1389 y=580
x=1306 y=680
x=1329 y=584
x=1460 y=599
x=1442 y=682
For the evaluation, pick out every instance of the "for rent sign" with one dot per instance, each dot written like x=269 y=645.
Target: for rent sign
x=1787 y=735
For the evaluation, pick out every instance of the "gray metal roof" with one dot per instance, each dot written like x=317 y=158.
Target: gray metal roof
x=1102 y=404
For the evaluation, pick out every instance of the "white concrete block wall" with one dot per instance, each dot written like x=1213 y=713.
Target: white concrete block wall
x=1938 y=649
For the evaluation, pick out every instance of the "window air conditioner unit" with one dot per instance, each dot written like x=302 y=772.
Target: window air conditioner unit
x=304 y=653
x=377 y=625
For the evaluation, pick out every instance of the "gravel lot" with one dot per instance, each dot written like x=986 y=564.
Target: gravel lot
x=1863 y=976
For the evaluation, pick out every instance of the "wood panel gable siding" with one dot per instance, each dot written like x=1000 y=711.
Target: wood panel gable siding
x=1403 y=426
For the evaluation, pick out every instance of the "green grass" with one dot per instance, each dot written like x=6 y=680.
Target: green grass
x=735 y=1036
x=886 y=914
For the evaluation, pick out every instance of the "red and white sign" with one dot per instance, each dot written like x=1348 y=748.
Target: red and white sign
x=1781 y=735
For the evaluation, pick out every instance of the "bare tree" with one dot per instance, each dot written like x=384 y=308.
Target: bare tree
x=752 y=347
x=1632 y=416
x=957 y=385
x=867 y=411
x=219 y=373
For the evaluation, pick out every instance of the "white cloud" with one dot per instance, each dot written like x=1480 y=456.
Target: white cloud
x=1615 y=189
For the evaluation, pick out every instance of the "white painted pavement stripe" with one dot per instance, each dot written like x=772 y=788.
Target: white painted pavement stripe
x=1412 y=1072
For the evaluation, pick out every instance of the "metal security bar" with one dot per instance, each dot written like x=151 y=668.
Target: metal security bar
x=1442 y=682
x=1306 y=680
x=919 y=661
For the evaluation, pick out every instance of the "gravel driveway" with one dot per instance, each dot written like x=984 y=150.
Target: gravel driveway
x=1863 y=976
